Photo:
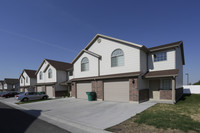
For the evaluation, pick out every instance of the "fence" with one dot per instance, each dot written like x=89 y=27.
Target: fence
x=191 y=89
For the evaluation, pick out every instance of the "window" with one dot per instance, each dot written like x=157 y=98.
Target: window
x=26 y=79
x=85 y=64
x=117 y=58
x=160 y=56
x=50 y=73
x=166 y=84
x=21 y=80
x=40 y=75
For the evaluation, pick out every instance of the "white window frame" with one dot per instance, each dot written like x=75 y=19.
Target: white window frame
x=40 y=75
x=50 y=73
x=84 y=64
x=117 y=56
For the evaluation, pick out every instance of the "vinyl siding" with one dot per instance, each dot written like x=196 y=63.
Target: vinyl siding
x=162 y=65
x=45 y=78
x=179 y=65
x=93 y=67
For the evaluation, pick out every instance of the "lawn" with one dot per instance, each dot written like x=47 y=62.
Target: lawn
x=183 y=116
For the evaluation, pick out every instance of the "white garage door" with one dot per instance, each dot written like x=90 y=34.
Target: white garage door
x=50 y=91
x=39 y=89
x=82 y=88
x=116 y=91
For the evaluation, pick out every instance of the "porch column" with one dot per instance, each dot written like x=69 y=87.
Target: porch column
x=173 y=90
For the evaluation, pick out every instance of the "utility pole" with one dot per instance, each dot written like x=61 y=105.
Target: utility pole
x=187 y=78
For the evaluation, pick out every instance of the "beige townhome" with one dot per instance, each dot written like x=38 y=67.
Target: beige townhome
x=50 y=75
x=27 y=80
x=123 y=71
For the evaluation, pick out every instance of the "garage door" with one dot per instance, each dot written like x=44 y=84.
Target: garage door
x=26 y=89
x=50 y=91
x=116 y=91
x=82 y=88
x=21 y=90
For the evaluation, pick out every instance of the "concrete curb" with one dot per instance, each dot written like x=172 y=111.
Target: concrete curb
x=68 y=125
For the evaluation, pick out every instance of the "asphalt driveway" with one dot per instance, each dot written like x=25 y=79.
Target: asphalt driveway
x=96 y=114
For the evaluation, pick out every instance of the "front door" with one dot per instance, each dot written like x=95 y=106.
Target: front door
x=154 y=86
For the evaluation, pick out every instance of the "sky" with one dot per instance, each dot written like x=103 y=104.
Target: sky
x=32 y=30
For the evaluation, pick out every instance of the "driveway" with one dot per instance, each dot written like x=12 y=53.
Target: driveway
x=97 y=114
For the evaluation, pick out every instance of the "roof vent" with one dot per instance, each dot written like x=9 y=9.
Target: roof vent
x=98 y=40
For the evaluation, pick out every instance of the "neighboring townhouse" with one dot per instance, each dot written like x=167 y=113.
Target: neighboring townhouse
x=27 y=80
x=1 y=85
x=122 y=71
x=50 y=75
x=11 y=84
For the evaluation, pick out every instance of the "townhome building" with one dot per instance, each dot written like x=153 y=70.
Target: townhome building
x=50 y=75
x=123 y=71
x=10 y=84
x=27 y=80
x=1 y=85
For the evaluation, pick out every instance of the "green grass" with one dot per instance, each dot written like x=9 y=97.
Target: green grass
x=183 y=116
x=32 y=101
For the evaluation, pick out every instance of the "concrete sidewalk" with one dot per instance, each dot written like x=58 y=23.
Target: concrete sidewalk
x=84 y=116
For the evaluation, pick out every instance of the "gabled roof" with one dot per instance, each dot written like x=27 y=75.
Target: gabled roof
x=142 y=47
x=11 y=81
x=162 y=73
x=169 y=46
x=86 y=51
x=58 y=65
x=30 y=73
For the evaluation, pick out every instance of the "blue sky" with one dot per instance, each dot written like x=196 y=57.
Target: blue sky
x=31 y=30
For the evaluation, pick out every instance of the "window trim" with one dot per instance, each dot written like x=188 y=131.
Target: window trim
x=84 y=64
x=154 y=54
x=26 y=79
x=40 y=75
x=50 y=75
x=117 y=56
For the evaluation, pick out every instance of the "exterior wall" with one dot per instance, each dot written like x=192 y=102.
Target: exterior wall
x=162 y=65
x=142 y=83
x=143 y=61
x=179 y=93
x=25 y=75
x=179 y=65
x=45 y=78
x=105 y=49
x=6 y=86
x=143 y=95
x=33 y=81
x=93 y=67
x=21 y=78
x=97 y=86
x=166 y=94
x=133 y=90
x=74 y=90
x=1 y=86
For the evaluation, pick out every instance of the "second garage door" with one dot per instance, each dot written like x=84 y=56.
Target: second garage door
x=116 y=91
x=82 y=88
x=50 y=91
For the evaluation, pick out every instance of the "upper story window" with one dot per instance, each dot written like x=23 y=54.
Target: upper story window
x=26 y=79
x=85 y=64
x=160 y=56
x=117 y=58
x=21 y=80
x=40 y=75
x=50 y=73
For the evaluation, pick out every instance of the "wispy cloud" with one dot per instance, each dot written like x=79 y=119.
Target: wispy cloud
x=39 y=41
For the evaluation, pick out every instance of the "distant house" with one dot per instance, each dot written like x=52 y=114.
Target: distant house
x=10 y=84
x=123 y=71
x=1 y=85
x=50 y=75
x=28 y=80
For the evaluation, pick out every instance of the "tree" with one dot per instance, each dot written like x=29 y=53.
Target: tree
x=197 y=83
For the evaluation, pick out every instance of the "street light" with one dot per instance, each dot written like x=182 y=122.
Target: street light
x=187 y=78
